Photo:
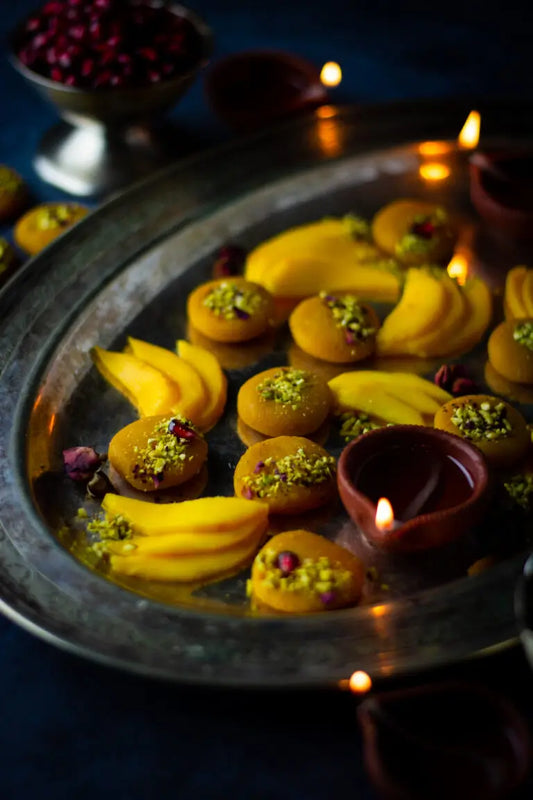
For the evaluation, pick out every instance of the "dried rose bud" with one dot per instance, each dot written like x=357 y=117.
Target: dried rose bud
x=81 y=462
x=447 y=374
x=464 y=386
x=229 y=260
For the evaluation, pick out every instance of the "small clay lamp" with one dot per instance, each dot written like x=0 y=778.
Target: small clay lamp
x=501 y=190
x=449 y=740
x=435 y=482
x=254 y=88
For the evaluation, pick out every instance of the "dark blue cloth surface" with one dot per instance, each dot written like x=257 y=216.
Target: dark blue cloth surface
x=73 y=729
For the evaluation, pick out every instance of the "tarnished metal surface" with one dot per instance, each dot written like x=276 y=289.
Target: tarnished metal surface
x=126 y=270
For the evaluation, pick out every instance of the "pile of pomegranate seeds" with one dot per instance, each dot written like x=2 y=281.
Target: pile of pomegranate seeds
x=103 y=44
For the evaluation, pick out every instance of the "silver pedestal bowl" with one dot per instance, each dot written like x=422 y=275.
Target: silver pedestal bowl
x=109 y=137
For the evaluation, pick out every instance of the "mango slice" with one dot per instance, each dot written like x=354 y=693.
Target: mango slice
x=436 y=341
x=395 y=397
x=513 y=299
x=191 y=568
x=147 y=388
x=470 y=331
x=528 y=293
x=202 y=514
x=421 y=308
x=193 y=395
x=214 y=380
x=321 y=256
x=299 y=572
x=184 y=542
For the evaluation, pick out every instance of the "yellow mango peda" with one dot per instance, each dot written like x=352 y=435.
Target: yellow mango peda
x=290 y=473
x=337 y=328
x=231 y=309
x=510 y=349
x=39 y=226
x=299 y=572
x=283 y=401
x=157 y=452
x=414 y=231
x=491 y=424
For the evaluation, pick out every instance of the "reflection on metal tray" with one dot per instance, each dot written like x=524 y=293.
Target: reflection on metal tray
x=127 y=270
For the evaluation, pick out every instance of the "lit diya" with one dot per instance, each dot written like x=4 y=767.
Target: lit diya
x=434 y=483
x=501 y=189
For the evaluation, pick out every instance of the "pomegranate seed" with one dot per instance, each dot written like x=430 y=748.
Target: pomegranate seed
x=52 y=8
x=229 y=261
x=423 y=229
x=77 y=32
x=180 y=429
x=56 y=74
x=87 y=67
x=287 y=561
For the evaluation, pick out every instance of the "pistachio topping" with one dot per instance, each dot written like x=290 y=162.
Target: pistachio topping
x=358 y=227
x=313 y=576
x=287 y=386
x=273 y=477
x=166 y=447
x=354 y=425
x=115 y=528
x=10 y=182
x=424 y=229
x=483 y=420
x=523 y=334
x=56 y=216
x=230 y=301
x=520 y=490
x=350 y=315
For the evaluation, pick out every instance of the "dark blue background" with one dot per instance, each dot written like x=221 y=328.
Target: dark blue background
x=72 y=729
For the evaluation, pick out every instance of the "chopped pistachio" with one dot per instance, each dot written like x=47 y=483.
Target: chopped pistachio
x=115 y=528
x=165 y=448
x=286 y=386
x=231 y=301
x=10 y=182
x=358 y=227
x=349 y=314
x=484 y=420
x=297 y=469
x=520 y=490
x=355 y=424
x=55 y=216
x=313 y=576
x=423 y=232
x=523 y=334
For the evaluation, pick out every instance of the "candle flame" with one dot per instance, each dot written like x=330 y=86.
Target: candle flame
x=434 y=171
x=458 y=268
x=326 y=112
x=331 y=74
x=384 y=515
x=434 y=148
x=360 y=682
x=469 y=135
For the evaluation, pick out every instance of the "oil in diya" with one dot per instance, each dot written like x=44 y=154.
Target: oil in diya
x=436 y=483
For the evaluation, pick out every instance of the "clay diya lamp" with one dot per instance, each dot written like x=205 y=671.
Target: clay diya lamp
x=254 y=88
x=435 y=482
x=442 y=741
x=501 y=190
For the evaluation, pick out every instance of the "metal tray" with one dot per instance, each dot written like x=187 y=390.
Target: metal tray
x=126 y=270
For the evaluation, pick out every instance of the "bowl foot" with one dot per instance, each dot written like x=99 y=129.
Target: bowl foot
x=93 y=161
